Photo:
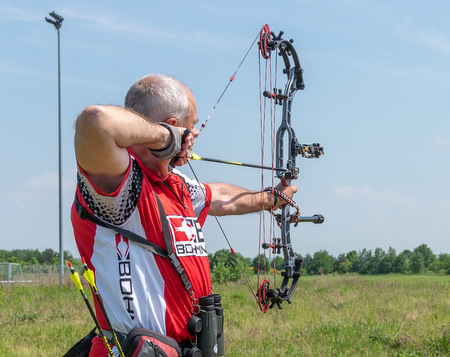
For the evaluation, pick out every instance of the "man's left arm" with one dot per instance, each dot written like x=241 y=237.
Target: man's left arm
x=233 y=200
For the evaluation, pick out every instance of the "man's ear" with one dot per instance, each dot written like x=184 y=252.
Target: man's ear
x=172 y=121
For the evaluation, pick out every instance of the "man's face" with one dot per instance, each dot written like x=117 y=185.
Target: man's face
x=192 y=120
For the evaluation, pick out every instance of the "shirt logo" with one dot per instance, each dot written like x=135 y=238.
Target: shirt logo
x=187 y=236
x=124 y=269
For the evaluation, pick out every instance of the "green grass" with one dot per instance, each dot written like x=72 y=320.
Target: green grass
x=329 y=316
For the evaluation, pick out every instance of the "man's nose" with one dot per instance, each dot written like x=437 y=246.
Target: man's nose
x=195 y=132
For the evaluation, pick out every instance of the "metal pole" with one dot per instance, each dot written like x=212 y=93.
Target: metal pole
x=61 y=250
x=57 y=23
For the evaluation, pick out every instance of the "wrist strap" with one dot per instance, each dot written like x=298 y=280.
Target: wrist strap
x=273 y=194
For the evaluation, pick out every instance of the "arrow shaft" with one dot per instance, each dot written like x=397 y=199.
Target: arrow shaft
x=202 y=158
x=76 y=280
x=88 y=274
x=97 y=324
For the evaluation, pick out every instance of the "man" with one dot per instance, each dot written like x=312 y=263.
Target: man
x=124 y=158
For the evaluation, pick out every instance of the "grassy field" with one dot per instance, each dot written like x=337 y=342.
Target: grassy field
x=329 y=316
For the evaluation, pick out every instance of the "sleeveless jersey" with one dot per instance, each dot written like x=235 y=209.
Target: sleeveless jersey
x=138 y=288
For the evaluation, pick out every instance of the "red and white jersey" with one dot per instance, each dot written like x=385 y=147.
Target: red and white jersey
x=138 y=288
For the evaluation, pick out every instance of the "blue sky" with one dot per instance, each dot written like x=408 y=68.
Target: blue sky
x=377 y=77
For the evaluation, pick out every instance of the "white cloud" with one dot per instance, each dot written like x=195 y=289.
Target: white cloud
x=41 y=189
x=102 y=20
x=442 y=143
x=371 y=195
x=9 y=13
x=431 y=39
x=43 y=181
x=436 y=42
x=109 y=22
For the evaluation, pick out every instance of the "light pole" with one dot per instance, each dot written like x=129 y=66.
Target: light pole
x=57 y=22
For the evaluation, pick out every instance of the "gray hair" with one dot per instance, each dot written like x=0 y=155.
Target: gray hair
x=159 y=97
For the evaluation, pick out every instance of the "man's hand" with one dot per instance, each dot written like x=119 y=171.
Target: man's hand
x=287 y=190
x=187 y=147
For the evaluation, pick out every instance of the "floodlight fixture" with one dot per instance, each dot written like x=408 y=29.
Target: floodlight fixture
x=58 y=20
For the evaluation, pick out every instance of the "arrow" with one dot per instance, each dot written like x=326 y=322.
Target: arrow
x=89 y=276
x=76 y=280
x=202 y=158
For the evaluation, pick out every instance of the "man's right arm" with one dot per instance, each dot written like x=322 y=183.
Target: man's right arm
x=103 y=133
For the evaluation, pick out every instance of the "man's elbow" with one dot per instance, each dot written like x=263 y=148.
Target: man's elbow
x=90 y=115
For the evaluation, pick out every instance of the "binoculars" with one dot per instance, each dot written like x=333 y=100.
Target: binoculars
x=207 y=325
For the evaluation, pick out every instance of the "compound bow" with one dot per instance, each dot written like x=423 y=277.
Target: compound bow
x=285 y=168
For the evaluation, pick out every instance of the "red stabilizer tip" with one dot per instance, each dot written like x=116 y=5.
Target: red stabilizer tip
x=69 y=264
x=83 y=261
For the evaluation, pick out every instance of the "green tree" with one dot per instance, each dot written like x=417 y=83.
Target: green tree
x=375 y=264
x=436 y=267
x=32 y=256
x=323 y=263
x=345 y=266
x=260 y=264
x=279 y=263
x=386 y=264
x=337 y=263
x=224 y=266
x=47 y=257
x=444 y=258
x=428 y=256
x=353 y=258
x=307 y=262
x=408 y=254
x=33 y=261
x=365 y=258
x=401 y=263
x=417 y=264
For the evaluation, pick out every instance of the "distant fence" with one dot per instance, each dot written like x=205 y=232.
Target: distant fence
x=37 y=274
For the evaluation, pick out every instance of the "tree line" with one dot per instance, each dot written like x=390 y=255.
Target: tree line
x=418 y=261
x=33 y=256
x=225 y=268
